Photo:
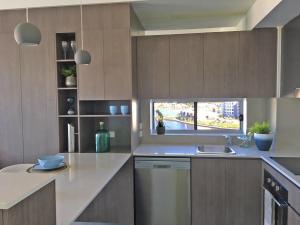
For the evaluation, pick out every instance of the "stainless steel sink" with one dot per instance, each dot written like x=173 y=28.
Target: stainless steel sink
x=215 y=150
x=290 y=163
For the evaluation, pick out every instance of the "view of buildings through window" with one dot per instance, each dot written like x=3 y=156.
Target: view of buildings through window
x=203 y=116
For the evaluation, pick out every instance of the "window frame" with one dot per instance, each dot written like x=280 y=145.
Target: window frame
x=216 y=132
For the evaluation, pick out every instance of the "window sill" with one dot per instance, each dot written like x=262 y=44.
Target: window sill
x=198 y=134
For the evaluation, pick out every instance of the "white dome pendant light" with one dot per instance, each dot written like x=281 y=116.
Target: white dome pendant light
x=82 y=57
x=27 y=34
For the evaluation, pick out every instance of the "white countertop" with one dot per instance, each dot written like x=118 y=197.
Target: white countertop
x=15 y=187
x=76 y=186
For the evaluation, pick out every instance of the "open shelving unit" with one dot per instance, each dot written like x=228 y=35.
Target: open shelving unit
x=88 y=114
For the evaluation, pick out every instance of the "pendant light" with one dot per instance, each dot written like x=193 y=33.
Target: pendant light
x=82 y=57
x=27 y=34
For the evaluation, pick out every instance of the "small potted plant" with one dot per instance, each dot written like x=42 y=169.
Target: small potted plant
x=160 y=128
x=262 y=134
x=70 y=76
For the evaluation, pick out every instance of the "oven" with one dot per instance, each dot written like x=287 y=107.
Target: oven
x=275 y=201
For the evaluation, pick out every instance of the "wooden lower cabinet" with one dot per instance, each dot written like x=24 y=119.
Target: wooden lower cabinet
x=293 y=217
x=37 y=209
x=115 y=203
x=226 y=192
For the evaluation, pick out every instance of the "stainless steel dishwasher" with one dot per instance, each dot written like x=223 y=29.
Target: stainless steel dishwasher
x=162 y=191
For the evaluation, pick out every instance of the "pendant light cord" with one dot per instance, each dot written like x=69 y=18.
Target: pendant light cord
x=81 y=26
x=27 y=17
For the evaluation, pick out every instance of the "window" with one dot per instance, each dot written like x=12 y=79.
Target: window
x=213 y=116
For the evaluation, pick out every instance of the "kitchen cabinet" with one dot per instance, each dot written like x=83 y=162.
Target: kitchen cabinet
x=107 y=38
x=257 y=63
x=11 y=145
x=117 y=64
x=226 y=191
x=211 y=65
x=153 y=67
x=293 y=217
x=186 y=66
x=91 y=77
x=39 y=108
x=221 y=57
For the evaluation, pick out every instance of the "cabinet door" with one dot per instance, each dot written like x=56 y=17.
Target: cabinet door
x=293 y=217
x=186 y=66
x=243 y=190
x=153 y=66
x=208 y=191
x=221 y=78
x=91 y=77
x=117 y=64
x=39 y=97
x=257 y=63
x=226 y=192
x=11 y=147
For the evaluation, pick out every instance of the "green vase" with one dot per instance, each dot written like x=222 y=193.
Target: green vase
x=102 y=139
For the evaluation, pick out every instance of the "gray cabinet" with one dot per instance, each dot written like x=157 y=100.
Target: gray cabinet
x=226 y=191
x=11 y=146
x=186 y=66
x=212 y=65
x=153 y=67
x=107 y=37
x=293 y=217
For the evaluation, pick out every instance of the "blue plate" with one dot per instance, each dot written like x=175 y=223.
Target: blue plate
x=51 y=161
x=39 y=167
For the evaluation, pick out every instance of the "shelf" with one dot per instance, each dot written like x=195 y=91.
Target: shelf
x=95 y=116
x=65 y=60
x=67 y=116
x=66 y=88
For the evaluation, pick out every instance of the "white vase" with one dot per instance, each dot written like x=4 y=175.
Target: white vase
x=70 y=81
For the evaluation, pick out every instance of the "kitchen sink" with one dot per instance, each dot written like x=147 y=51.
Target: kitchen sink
x=215 y=149
x=290 y=163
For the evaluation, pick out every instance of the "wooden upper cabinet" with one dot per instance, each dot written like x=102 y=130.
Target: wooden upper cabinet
x=186 y=66
x=39 y=99
x=257 y=62
x=153 y=67
x=91 y=77
x=11 y=147
x=107 y=38
x=117 y=64
x=221 y=56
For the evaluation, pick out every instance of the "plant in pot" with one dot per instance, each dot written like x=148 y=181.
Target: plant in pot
x=160 y=128
x=262 y=134
x=70 y=76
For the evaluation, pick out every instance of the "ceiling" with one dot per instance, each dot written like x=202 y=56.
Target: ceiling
x=191 y=14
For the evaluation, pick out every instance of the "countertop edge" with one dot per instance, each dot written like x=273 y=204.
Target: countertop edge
x=27 y=194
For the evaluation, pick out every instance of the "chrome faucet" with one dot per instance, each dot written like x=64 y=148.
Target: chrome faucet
x=228 y=139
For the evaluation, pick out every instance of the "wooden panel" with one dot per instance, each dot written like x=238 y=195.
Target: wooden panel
x=57 y=19
x=10 y=18
x=11 y=145
x=39 y=97
x=38 y=208
x=186 y=66
x=293 y=217
x=244 y=193
x=91 y=77
x=153 y=67
x=257 y=62
x=208 y=191
x=221 y=65
x=117 y=64
x=115 y=203
x=111 y=16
